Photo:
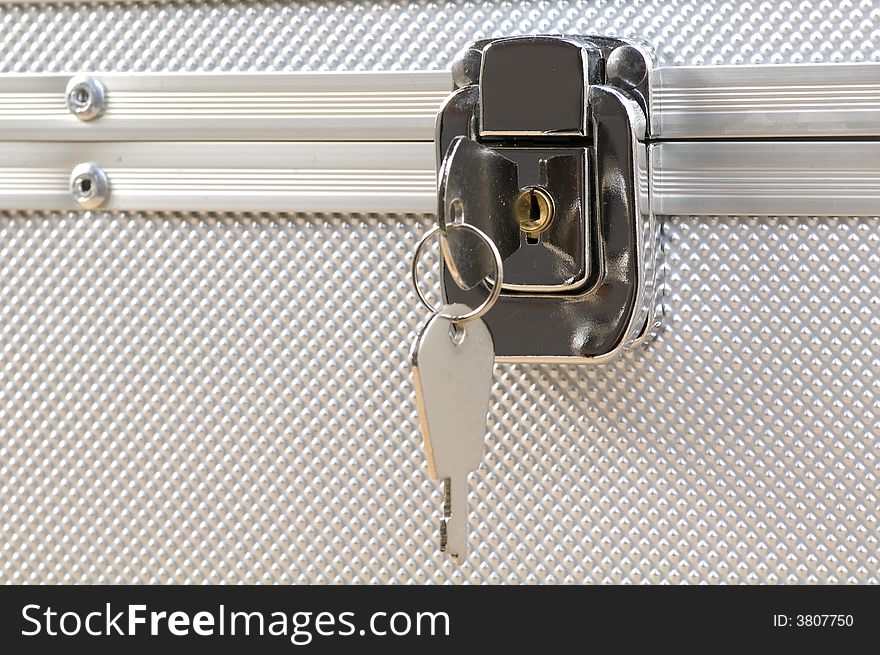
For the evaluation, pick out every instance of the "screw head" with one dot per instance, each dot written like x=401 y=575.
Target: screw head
x=89 y=185
x=466 y=67
x=626 y=67
x=86 y=97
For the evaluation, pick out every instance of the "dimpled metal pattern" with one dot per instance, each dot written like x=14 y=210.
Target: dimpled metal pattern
x=313 y=35
x=227 y=398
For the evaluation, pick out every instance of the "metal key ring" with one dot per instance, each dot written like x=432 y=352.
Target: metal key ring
x=495 y=292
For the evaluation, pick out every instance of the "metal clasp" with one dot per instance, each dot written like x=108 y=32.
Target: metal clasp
x=542 y=146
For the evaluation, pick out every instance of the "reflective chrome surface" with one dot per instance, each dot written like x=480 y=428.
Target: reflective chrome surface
x=581 y=288
x=476 y=185
x=536 y=86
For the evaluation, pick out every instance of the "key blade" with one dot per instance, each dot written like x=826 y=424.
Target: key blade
x=453 y=381
x=455 y=538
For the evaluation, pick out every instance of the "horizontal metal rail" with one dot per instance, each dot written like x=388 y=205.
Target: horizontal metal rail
x=367 y=106
x=761 y=178
x=696 y=177
x=689 y=102
x=362 y=142
x=792 y=100
x=226 y=176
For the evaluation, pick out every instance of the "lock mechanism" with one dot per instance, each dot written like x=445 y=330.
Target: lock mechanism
x=543 y=147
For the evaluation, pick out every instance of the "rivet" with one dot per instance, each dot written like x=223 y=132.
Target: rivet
x=86 y=97
x=89 y=185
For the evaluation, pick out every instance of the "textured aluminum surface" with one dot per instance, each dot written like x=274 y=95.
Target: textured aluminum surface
x=314 y=35
x=226 y=398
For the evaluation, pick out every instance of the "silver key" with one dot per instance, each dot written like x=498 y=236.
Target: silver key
x=452 y=364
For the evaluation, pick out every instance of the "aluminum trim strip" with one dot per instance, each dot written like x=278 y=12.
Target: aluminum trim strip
x=766 y=178
x=364 y=106
x=226 y=176
x=792 y=100
x=688 y=102
x=690 y=178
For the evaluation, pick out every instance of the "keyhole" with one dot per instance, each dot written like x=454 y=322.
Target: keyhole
x=534 y=215
x=534 y=210
x=534 y=207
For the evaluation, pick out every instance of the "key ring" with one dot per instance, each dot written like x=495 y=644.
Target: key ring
x=495 y=292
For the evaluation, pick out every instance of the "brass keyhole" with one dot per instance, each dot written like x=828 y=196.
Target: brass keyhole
x=534 y=210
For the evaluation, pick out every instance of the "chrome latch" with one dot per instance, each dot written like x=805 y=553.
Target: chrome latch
x=542 y=147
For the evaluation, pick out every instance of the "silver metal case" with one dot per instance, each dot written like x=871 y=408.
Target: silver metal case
x=221 y=393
